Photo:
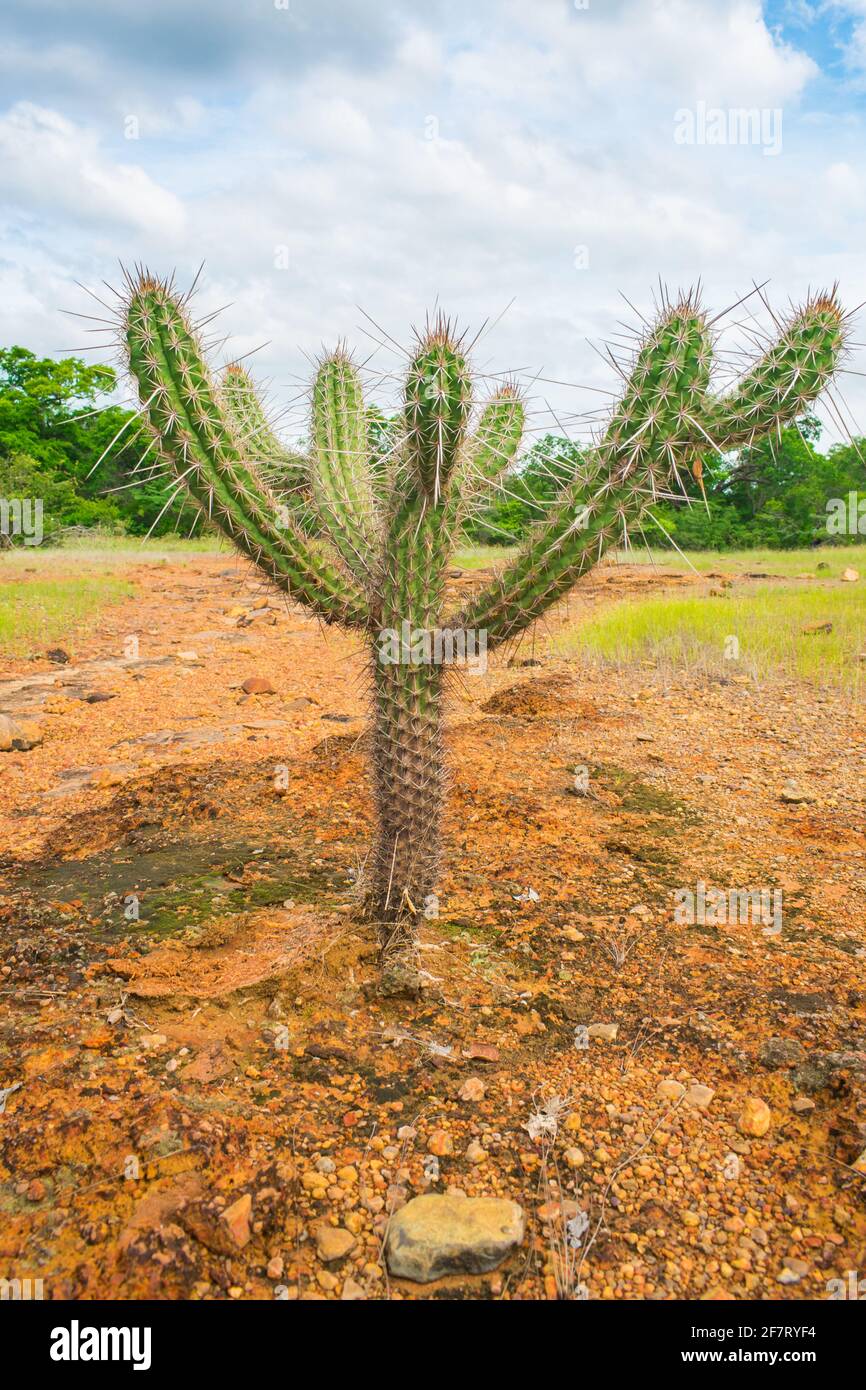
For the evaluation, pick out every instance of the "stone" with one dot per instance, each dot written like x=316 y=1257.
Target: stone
x=333 y=1242
x=793 y=795
x=698 y=1097
x=755 y=1117
x=257 y=685
x=275 y=1267
x=819 y=1070
x=859 y=1164
x=781 y=1052
x=850 y=576
x=475 y=1152
x=436 y=1235
x=473 y=1088
x=440 y=1143
x=605 y=1032
x=670 y=1090
x=237 y=1219
x=574 y=1157
x=18 y=735
x=352 y=1291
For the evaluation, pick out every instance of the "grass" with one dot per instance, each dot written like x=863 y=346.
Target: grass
x=482 y=557
x=784 y=563
x=105 y=553
x=766 y=625
x=46 y=611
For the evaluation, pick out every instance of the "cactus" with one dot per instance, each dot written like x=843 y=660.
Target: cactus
x=377 y=561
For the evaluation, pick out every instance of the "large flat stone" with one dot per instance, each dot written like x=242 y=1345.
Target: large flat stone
x=436 y=1235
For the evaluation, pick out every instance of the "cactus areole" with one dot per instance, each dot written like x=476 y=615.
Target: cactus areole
x=374 y=557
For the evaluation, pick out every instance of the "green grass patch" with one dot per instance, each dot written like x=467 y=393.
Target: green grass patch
x=106 y=553
x=783 y=563
x=482 y=557
x=40 y=612
x=766 y=625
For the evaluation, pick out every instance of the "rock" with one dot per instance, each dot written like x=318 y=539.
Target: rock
x=793 y=795
x=574 y=1157
x=787 y=1276
x=99 y=697
x=801 y=1105
x=605 y=1032
x=257 y=685
x=850 y=576
x=211 y=1064
x=437 y=1235
x=352 y=1292
x=781 y=1052
x=859 y=1164
x=275 y=1267
x=440 y=1143
x=819 y=1071
x=473 y=1088
x=475 y=1153
x=237 y=1219
x=572 y=934
x=58 y=656
x=187 y=656
x=698 y=1097
x=755 y=1117
x=333 y=1242
x=670 y=1090
x=18 y=735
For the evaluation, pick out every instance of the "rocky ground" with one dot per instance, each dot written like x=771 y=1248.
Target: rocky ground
x=206 y=1098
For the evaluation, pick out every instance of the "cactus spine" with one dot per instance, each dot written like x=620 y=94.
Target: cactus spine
x=377 y=562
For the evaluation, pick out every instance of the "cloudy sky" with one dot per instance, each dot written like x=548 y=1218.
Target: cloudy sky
x=331 y=158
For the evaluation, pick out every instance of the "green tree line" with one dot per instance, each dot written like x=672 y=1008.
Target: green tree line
x=57 y=423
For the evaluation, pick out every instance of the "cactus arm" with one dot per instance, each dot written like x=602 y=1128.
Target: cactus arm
x=781 y=385
x=487 y=455
x=342 y=482
x=493 y=447
x=286 y=471
x=181 y=405
x=666 y=416
x=615 y=486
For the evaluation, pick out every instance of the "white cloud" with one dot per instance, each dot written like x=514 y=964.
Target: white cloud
x=552 y=129
x=51 y=167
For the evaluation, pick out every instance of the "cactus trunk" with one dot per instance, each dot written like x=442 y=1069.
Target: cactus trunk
x=408 y=778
